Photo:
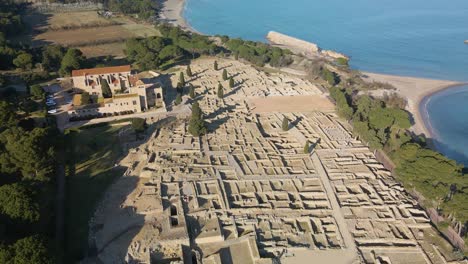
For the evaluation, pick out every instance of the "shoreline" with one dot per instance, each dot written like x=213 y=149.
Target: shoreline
x=172 y=13
x=415 y=89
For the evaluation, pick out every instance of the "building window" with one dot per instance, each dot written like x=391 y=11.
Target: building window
x=134 y=102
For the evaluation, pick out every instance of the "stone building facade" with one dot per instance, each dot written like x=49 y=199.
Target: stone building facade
x=130 y=93
x=118 y=104
x=90 y=80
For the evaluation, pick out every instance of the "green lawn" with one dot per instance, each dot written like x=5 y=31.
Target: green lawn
x=91 y=155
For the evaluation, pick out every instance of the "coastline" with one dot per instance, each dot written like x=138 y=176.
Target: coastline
x=414 y=89
x=172 y=13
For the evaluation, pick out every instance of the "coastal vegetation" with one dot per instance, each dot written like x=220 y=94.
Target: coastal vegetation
x=258 y=53
x=384 y=126
x=143 y=9
x=175 y=45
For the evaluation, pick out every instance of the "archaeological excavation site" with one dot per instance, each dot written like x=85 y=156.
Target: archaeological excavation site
x=251 y=190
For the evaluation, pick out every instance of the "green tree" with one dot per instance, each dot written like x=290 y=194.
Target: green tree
x=220 y=91
x=16 y=202
x=331 y=77
x=52 y=57
x=285 y=124
x=72 y=60
x=6 y=254
x=225 y=75
x=215 y=66
x=197 y=125
x=192 y=91
x=182 y=79
x=37 y=91
x=31 y=249
x=178 y=99
x=105 y=88
x=170 y=52
x=85 y=98
x=189 y=71
x=7 y=114
x=31 y=153
x=231 y=82
x=307 y=147
x=139 y=124
x=23 y=61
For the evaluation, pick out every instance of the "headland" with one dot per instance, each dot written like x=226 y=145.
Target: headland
x=414 y=90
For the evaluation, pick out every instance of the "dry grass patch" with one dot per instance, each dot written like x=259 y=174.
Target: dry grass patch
x=115 y=49
x=93 y=34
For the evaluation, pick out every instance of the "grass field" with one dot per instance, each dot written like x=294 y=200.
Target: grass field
x=95 y=35
x=91 y=155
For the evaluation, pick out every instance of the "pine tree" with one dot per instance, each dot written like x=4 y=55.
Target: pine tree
x=197 y=124
x=178 y=99
x=231 y=82
x=182 y=79
x=189 y=71
x=285 y=125
x=192 y=91
x=225 y=75
x=215 y=66
x=220 y=91
x=306 y=147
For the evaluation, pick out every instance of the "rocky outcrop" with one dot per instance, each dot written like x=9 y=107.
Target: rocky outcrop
x=300 y=46
x=333 y=54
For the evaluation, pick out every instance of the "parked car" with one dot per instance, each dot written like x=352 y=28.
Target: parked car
x=52 y=111
x=50 y=103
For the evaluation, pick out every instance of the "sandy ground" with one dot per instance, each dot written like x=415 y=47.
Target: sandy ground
x=172 y=13
x=414 y=90
x=299 y=103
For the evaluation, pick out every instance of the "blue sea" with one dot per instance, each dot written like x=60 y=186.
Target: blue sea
x=448 y=121
x=422 y=38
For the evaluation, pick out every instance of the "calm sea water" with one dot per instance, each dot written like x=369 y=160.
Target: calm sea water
x=421 y=38
x=448 y=120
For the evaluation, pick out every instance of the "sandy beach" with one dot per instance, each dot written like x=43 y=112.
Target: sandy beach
x=414 y=90
x=172 y=12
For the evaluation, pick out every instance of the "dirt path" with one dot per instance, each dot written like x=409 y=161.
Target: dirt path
x=349 y=255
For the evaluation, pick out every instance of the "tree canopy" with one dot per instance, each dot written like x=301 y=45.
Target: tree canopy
x=197 y=125
x=16 y=202
x=31 y=153
x=72 y=60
